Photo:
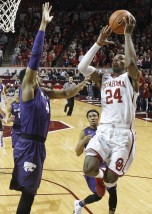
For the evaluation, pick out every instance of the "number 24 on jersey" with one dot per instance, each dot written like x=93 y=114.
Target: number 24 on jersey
x=113 y=95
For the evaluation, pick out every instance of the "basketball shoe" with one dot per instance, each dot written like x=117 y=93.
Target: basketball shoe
x=77 y=207
x=100 y=187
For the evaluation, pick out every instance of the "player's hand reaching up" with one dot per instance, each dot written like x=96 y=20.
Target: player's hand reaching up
x=130 y=24
x=46 y=9
x=103 y=37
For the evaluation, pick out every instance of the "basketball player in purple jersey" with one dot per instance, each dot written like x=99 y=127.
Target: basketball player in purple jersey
x=14 y=110
x=29 y=150
x=114 y=141
x=85 y=136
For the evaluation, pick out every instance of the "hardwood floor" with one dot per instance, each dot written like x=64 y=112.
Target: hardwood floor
x=63 y=180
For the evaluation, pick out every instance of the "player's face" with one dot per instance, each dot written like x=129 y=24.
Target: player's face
x=118 y=63
x=93 y=118
x=70 y=79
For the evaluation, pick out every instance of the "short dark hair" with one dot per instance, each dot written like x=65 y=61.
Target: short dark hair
x=92 y=110
x=22 y=74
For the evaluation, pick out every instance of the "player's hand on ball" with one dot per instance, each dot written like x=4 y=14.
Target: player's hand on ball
x=46 y=9
x=103 y=37
x=130 y=24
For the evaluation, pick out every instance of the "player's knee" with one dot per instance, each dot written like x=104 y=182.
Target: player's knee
x=29 y=192
x=113 y=190
x=90 y=170
x=110 y=177
x=91 y=167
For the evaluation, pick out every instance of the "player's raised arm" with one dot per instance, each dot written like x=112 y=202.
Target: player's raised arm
x=30 y=80
x=84 y=66
x=130 y=54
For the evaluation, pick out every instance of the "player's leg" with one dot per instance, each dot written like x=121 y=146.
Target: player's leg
x=79 y=204
x=66 y=106
x=71 y=105
x=96 y=153
x=91 y=166
x=27 y=172
x=122 y=150
x=112 y=199
x=91 y=199
x=25 y=203
x=110 y=178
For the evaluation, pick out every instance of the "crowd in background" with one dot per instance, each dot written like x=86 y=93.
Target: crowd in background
x=3 y=43
x=74 y=29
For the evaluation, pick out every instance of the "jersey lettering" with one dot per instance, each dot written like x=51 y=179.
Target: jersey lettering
x=110 y=97
x=119 y=164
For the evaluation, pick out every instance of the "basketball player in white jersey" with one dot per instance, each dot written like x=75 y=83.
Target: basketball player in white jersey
x=114 y=141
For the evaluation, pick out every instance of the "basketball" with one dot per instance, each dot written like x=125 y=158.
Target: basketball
x=116 y=21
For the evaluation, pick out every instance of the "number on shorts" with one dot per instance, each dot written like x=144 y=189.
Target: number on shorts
x=119 y=164
x=19 y=115
x=117 y=95
x=47 y=107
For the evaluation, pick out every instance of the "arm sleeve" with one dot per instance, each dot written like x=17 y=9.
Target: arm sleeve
x=83 y=66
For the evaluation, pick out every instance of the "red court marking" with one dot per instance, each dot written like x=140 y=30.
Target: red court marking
x=70 y=192
x=89 y=211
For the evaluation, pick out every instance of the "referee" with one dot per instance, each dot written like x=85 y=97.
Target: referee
x=70 y=101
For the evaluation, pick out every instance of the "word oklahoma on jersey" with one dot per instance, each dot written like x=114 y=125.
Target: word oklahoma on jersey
x=118 y=100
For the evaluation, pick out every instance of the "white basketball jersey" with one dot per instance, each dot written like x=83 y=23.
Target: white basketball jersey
x=118 y=100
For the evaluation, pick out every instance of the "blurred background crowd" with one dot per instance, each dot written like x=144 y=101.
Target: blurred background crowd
x=74 y=29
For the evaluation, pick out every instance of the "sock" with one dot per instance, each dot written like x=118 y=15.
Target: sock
x=25 y=203
x=92 y=198
x=81 y=204
x=100 y=174
x=112 y=198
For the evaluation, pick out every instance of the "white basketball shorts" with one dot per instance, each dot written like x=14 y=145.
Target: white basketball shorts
x=115 y=145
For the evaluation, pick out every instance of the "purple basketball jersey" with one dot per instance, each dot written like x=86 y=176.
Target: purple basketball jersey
x=17 y=120
x=35 y=114
x=29 y=154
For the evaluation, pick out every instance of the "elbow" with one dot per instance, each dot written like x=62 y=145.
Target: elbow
x=81 y=67
x=78 y=153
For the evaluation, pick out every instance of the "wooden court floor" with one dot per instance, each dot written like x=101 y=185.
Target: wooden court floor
x=63 y=180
